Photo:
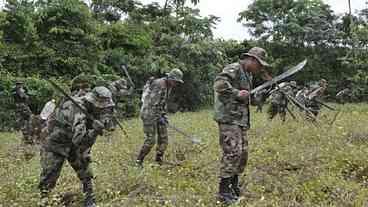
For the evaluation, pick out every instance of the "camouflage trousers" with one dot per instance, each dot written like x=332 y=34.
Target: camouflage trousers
x=24 y=122
x=151 y=132
x=275 y=109
x=52 y=164
x=234 y=144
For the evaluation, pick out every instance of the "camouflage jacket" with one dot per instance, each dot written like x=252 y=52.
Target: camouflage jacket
x=228 y=107
x=20 y=95
x=69 y=127
x=278 y=97
x=119 y=89
x=313 y=94
x=154 y=100
x=80 y=92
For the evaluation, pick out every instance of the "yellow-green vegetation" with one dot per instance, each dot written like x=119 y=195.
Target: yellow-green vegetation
x=291 y=164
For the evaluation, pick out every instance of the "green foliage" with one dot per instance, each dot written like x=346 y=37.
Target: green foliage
x=296 y=21
x=40 y=92
x=291 y=30
x=64 y=38
x=69 y=33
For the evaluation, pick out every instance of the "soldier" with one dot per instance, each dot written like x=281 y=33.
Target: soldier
x=23 y=112
x=153 y=114
x=71 y=136
x=47 y=113
x=301 y=95
x=260 y=99
x=231 y=108
x=80 y=85
x=120 y=89
x=314 y=94
x=279 y=100
x=343 y=95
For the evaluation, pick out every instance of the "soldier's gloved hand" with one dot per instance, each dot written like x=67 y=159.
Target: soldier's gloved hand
x=163 y=120
x=98 y=127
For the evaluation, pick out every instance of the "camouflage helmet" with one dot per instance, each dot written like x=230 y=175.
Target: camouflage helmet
x=121 y=83
x=259 y=54
x=19 y=82
x=100 y=97
x=176 y=75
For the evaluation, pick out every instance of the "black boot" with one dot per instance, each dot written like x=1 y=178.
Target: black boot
x=235 y=186
x=89 y=196
x=225 y=192
x=159 y=159
x=142 y=154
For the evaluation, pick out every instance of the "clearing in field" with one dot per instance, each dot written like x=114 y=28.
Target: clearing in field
x=291 y=164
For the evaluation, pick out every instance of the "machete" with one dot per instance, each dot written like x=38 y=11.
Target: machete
x=278 y=78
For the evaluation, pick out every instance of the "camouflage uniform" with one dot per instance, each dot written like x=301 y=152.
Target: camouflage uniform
x=231 y=112
x=232 y=116
x=47 y=113
x=279 y=101
x=120 y=89
x=153 y=114
x=71 y=137
x=80 y=85
x=301 y=95
x=313 y=94
x=23 y=112
x=343 y=95
x=259 y=99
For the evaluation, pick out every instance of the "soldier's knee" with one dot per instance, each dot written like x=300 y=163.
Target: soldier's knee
x=85 y=174
x=47 y=183
x=150 y=142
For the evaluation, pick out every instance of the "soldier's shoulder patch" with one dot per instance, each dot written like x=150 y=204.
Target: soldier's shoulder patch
x=231 y=70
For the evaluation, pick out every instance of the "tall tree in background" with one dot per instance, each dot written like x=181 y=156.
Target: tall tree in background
x=69 y=35
x=295 y=21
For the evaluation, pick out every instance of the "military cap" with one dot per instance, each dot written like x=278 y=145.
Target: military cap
x=259 y=54
x=176 y=75
x=100 y=97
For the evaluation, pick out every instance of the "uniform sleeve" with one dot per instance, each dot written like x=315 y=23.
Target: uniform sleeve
x=122 y=88
x=79 y=127
x=124 y=92
x=223 y=87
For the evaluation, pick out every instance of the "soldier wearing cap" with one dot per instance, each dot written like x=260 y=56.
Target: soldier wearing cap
x=153 y=114
x=313 y=95
x=80 y=85
x=120 y=89
x=71 y=138
x=231 y=89
x=23 y=112
x=279 y=101
x=344 y=95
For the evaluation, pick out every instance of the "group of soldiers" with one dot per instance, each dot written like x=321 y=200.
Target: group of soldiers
x=72 y=126
x=309 y=97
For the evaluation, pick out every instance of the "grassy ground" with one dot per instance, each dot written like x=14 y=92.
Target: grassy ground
x=291 y=164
